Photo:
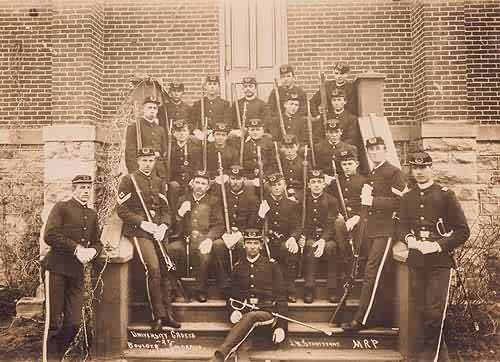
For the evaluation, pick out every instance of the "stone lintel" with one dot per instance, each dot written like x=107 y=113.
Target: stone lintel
x=28 y=136
x=72 y=132
x=445 y=130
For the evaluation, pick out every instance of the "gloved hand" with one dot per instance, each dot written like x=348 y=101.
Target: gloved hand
x=159 y=235
x=205 y=246
x=222 y=180
x=302 y=241
x=84 y=255
x=366 y=195
x=256 y=182
x=278 y=335
x=231 y=239
x=291 y=245
x=185 y=207
x=210 y=137
x=320 y=248
x=149 y=227
x=235 y=316
x=329 y=179
x=429 y=247
x=352 y=222
x=412 y=242
x=198 y=134
x=235 y=133
x=263 y=209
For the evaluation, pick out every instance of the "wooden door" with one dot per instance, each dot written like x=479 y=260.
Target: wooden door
x=255 y=43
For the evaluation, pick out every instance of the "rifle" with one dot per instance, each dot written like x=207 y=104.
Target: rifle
x=278 y=161
x=304 y=205
x=349 y=284
x=322 y=91
x=261 y=184
x=339 y=190
x=169 y=263
x=138 y=134
x=169 y=139
x=240 y=123
x=224 y=205
x=204 y=124
x=253 y=307
x=282 y=123
x=310 y=133
x=243 y=129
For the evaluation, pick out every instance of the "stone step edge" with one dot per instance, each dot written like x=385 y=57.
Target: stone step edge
x=217 y=303
x=298 y=280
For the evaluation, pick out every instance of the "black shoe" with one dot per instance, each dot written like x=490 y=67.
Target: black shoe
x=352 y=326
x=169 y=321
x=333 y=296
x=308 y=295
x=201 y=297
x=292 y=299
x=157 y=324
x=217 y=357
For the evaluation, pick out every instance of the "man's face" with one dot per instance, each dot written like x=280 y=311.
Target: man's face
x=291 y=107
x=339 y=77
x=252 y=248
x=82 y=191
x=278 y=188
x=256 y=132
x=290 y=151
x=177 y=95
x=220 y=137
x=146 y=163
x=249 y=89
x=338 y=103
x=317 y=185
x=181 y=134
x=212 y=89
x=350 y=167
x=377 y=153
x=334 y=135
x=200 y=186
x=287 y=79
x=422 y=174
x=150 y=110
x=236 y=183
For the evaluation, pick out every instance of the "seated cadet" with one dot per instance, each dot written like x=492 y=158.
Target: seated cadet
x=251 y=106
x=321 y=237
x=229 y=154
x=145 y=234
x=348 y=122
x=293 y=165
x=242 y=212
x=258 y=281
x=199 y=224
x=176 y=107
x=288 y=86
x=283 y=229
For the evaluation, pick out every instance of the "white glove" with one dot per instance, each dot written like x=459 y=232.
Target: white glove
x=320 y=248
x=235 y=133
x=231 y=239
x=263 y=209
x=256 y=182
x=412 y=242
x=429 y=247
x=222 y=180
x=291 y=245
x=205 y=246
x=352 y=222
x=149 y=227
x=210 y=137
x=278 y=335
x=198 y=134
x=84 y=255
x=185 y=207
x=329 y=179
x=302 y=241
x=235 y=316
x=159 y=235
x=366 y=195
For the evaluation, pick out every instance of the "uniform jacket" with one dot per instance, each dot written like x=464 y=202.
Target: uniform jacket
x=284 y=93
x=330 y=85
x=321 y=213
x=295 y=125
x=185 y=160
x=242 y=208
x=420 y=211
x=130 y=209
x=175 y=111
x=283 y=219
x=293 y=170
x=351 y=191
x=216 y=110
x=255 y=108
x=70 y=224
x=349 y=125
x=264 y=280
x=250 y=163
x=326 y=152
x=229 y=155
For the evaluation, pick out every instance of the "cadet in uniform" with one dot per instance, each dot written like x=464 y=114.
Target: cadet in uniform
x=200 y=223
x=282 y=215
x=288 y=86
x=146 y=234
x=348 y=122
x=386 y=187
x=433 y=224
x=176 y=107
x=251 y=106
x=229 y=154
x=322 y=213
x=72 y=232
x=293 y=122
x=293 y=165
x=152 y=137
x=258 y=281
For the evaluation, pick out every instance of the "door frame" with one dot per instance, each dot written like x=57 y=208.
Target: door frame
x=224 y=48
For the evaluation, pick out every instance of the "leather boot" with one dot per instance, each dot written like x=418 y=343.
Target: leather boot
x=308 y=295
x=170 y=321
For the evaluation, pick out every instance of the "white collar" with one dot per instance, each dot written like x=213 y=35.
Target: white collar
x=380 y=164
x=84 y=204
x=198 y=199
x=425 y=185
x=254 y=259
x=145 y=174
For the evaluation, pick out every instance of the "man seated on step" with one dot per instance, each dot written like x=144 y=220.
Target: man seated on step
x=199 y=224
x=348 y=122
x=137 y=191
x=258 y=281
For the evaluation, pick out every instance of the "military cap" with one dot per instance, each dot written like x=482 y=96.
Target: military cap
x=145 y=151
x=348 y=155
x=81 y=179
x=338 y=92
x=275 y=178
x=151 y=99
x=289 y=140
x=374 y=141
x=332 y=124
x=316 y=173
x=201 y=173
x=221 y=127
x=255 y=122
x=286 y=68
x=179 y=124
x=236 y=171
x=420 y=159
x=212 y=78
x=341 y=67
x=254 y=234
x=175 y=86
x=249 y=80
x=292 y=96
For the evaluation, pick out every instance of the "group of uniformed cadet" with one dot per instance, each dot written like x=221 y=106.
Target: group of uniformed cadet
x=242 y=194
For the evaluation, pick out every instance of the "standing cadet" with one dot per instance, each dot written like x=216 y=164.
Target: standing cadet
x=288 y=86
x=216 y=108
x=321 y=238
x=242 y=211
x=200 y=223
x=250 y=105
x=220 y=145
x=176 y=107
x=387 y=185
x=348 y=122
x=293 y=165
x=72 y=232
x=147 y=231
x=433 y=224
x=258 y=281
x=257 y=137
x=282 y=215
x=293 y=122
x=150 y=135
